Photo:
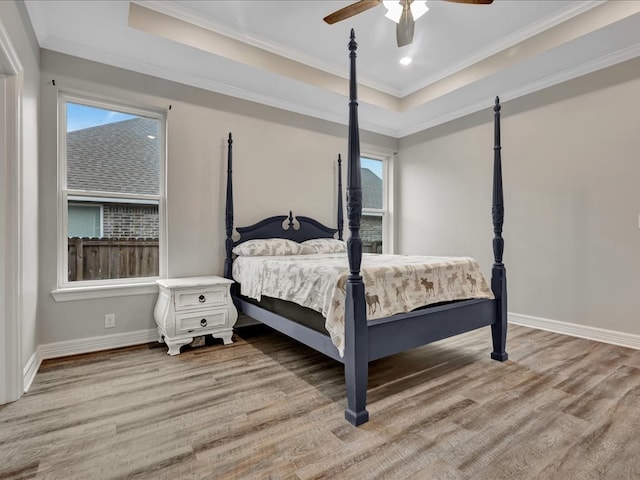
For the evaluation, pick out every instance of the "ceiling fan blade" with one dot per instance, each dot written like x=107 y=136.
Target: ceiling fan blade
x=404 y=29
x=474 y=2
x=350 y=11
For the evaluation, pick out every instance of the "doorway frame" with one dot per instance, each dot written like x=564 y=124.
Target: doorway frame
x=11 y=87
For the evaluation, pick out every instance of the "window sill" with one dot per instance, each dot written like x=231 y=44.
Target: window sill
x=69 y=294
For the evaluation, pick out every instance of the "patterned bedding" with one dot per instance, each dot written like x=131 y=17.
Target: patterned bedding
x=393 y=283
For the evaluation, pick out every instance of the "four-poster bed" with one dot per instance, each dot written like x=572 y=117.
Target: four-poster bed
x=365 y=339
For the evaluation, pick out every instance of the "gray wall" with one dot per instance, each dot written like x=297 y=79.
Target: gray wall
x=16 y=22
x=273 y=151
x=571 y=172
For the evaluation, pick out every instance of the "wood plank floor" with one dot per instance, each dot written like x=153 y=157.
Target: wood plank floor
x=266 y=407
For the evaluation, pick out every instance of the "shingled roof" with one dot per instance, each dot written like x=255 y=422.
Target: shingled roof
x=371 y=189
x=116 y=157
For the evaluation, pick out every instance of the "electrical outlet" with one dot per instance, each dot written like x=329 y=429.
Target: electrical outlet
x=110 y=320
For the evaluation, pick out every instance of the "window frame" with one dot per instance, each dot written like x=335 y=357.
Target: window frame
x=84 y=289
x=386 y=212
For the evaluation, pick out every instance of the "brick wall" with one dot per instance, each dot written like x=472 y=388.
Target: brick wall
x=371 y=234
x=130 y=221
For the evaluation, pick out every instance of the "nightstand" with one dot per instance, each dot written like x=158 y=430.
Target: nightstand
x=194 y=306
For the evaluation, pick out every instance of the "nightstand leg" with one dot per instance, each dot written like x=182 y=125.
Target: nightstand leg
x=160 y=336
x=225 y=336
x=174 y=345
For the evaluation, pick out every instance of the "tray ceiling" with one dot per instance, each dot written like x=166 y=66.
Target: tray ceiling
x=282 y=54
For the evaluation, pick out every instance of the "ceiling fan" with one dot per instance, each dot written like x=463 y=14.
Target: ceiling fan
x=403 y=12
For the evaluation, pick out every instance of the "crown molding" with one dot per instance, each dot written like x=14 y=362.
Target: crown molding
x=505 y=43
x=181 y=12
x=185 y=14
x=604 y=61
x=331 y=109
x=38 y=22
x=264 y=99
x=127 y=63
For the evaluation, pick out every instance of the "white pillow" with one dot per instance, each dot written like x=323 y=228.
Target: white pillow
x=326 y=245
x=268 y=246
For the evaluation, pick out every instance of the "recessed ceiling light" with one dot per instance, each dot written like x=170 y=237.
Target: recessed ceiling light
x=405 y=60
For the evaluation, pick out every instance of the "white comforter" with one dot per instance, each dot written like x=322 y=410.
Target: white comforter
x=393 y=283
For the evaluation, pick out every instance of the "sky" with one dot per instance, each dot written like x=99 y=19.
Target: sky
x=82 y=116
x=374 y=165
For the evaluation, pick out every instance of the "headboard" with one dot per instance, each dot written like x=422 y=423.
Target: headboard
x=293 y=228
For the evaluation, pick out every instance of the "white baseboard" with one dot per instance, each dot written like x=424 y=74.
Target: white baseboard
x=106 y=342
x=30 y=370
x=84 y=345
x=622 y=339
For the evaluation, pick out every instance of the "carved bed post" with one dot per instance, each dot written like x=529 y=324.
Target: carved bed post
x=356 y=355
x=340 y=212
x=228 y=212
x=498 y=272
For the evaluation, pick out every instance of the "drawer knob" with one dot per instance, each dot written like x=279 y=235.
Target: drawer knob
x=201 y=298
x=203 y=322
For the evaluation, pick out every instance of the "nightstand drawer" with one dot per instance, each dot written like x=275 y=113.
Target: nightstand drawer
x=192 y=322
x=202 y=297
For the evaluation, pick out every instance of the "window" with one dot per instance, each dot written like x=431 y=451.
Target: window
x=111 y=167
x=374 y=230
x=85 y=220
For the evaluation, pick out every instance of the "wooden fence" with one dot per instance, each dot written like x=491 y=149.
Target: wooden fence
x=103 y=258
x=371 y=247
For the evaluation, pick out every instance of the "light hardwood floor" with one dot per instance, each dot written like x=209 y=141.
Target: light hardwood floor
x=266 y=407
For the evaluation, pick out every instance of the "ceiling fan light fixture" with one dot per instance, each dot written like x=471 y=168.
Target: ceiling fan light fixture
x=419 y=8
x=395 y=7
x=394 y=10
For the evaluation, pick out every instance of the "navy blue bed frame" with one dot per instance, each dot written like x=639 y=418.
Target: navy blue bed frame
x=369 y=340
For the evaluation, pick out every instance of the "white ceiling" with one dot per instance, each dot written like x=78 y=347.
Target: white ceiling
x=281 y=53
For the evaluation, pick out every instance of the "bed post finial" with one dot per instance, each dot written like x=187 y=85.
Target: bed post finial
x=228 y=214
x=340 y=207
x=356 y=353
x=498 y=272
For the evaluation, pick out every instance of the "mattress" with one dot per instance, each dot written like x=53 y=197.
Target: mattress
x=393 y=283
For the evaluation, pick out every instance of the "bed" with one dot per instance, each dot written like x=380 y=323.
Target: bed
x=369 y=331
